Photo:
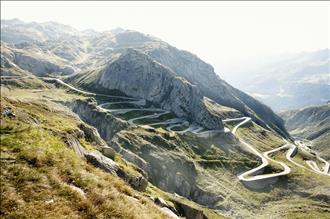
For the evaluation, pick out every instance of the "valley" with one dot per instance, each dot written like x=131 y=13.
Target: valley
x=269 y=172
x=120 y=124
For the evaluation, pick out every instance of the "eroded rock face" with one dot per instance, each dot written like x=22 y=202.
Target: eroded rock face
x=34 y=60
x=170 y=213
x=129 y=155
x=165 y=167
x=96 y=158
x=106 y=124
x=201 y=74
x=190 y=212
x=101 y=161
x=64 y=49
x=91 y=134
x=137 y=75
x=75 y=145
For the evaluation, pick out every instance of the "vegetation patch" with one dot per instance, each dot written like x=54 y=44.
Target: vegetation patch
x=39 y=172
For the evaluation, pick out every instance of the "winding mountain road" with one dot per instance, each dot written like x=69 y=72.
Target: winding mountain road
x=135 y=102
x=90 y=93
x=153 y=116
x=251 y=175
x=254 y=174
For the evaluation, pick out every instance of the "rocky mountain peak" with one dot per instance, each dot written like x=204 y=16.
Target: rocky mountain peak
x=117 y=30
x=137 y=75
x=136 y=60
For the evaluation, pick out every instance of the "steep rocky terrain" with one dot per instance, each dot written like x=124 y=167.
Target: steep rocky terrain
x=30 y=58
x=140 y=129
x=203 y=170
x=137 y=75
x=54 y=164
x=94 y=50
x=311 y=123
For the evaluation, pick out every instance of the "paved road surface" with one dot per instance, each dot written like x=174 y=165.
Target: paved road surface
x=251 y=175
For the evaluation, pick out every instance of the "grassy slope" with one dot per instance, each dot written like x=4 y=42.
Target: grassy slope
x=218 y=160
x=37 y=169
x=301 y=194
x=35 y=159
x=27 y=79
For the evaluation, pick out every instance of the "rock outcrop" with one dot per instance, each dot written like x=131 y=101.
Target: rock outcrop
x=190 y=212
x=34 y=60
x=99 y=160
x=202 y=75
x=108 y=55
x=138 y=182
x=159 y=156
x=136 y=74
x=106 y=124
x=92 y=135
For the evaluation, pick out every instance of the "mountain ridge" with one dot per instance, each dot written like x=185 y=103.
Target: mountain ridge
x=132 y=135
x=97 y=49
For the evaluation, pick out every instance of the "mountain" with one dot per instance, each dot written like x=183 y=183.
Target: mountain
x=31 y=58
x=120 y=124
x=137 y=75
x=17 y=31
x=201 y=74
x=290 y=81
x=81 y=52
x=311 y=123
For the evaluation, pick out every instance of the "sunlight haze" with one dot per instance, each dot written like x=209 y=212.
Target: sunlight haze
x=222 y=33
x=169 y=109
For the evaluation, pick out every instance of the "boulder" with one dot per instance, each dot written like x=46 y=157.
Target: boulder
x=161 y=202
x=190 y=212
x=73 y=143
x=139 y=183
x=169 y=213
x=99 y=160
x=92 y=134
x=108 y=152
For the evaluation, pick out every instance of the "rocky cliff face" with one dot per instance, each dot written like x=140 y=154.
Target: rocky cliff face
x=201 y=74
x=92 y=53
x=168 y=165
x=155 y=153
x=136 y=74
x=106 y=124
x=33 y=60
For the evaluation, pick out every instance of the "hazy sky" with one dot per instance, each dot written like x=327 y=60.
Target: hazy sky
x=221 y=33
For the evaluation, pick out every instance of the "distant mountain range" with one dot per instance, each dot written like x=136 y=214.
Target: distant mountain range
x=288 y=82
x=119 y=124
x=311 y=123
x=125 y=60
